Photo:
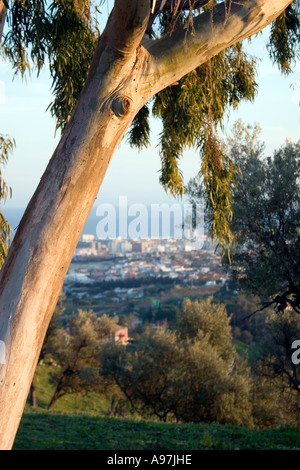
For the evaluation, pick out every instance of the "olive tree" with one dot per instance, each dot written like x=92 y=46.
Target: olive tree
x=191 y=373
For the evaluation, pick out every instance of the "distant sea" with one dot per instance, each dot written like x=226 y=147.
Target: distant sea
x=14 y=216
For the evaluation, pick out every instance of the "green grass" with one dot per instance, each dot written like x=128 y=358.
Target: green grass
x=50 y=431
x=81 y=423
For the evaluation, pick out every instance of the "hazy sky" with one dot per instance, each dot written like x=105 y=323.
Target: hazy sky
x=23 y=116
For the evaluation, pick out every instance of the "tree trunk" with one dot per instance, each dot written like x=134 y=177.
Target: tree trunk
x=33 y=402
x=54 y=399
x=123 y=76
x=34 y=270
x=3 y=12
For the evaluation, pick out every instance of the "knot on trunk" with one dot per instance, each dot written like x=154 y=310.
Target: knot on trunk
x=121 y=106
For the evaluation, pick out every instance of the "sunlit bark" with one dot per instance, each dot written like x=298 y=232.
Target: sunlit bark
x=3 y=11
x=124 y=74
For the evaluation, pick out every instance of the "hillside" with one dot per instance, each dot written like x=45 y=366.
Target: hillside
x=44 y=430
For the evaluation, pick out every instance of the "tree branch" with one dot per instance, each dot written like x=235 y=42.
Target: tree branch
x=127 y=24
x=213 y=31
x=168 y=5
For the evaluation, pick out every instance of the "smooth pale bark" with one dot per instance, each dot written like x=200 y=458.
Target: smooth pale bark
x=3 y=12
x=123 y=76
x=178 y=54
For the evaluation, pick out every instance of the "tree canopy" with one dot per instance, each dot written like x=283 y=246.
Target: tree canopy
x=266 y=218
x=191 y=373
x=277 y=350
x=6 y=148
x=75 y=347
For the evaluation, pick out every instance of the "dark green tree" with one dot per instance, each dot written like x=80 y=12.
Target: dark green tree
x=143 y=371
x=266 y=220
x=191 y=373
x=276 y=374
x=75 y=349
x=245 y=326
x=277 y=351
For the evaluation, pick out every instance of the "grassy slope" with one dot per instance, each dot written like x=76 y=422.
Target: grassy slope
x=43 y=430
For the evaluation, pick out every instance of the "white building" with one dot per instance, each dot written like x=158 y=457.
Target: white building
x=87 y=237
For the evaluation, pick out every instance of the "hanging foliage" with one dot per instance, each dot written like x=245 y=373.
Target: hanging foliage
x=63 y=34
x=6 y=147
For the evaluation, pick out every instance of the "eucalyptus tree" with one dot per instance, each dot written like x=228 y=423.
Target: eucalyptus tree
x=146 y=47
x=3 y=11
x=6 y=147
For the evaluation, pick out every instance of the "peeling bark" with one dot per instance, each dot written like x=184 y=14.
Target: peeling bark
x=123 y=76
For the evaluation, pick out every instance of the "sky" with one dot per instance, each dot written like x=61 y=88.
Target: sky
x=24 y=117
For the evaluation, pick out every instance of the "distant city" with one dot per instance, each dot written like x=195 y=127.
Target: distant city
x=90 y=246
x=117 y=260
x=188 y=261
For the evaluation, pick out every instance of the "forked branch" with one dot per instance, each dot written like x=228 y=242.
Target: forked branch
x=127 y=24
